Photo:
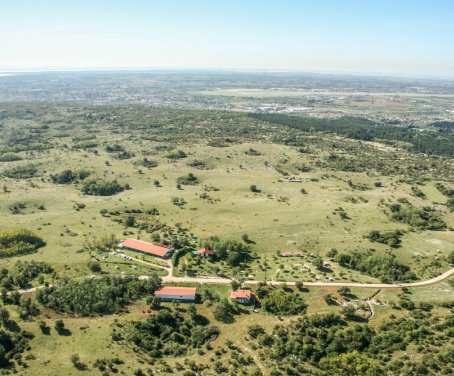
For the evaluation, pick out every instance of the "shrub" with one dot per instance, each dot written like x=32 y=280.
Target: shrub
x=21 y=172
x=102 y=188
x=19 y=242
x=190 y=179
x=281 y=302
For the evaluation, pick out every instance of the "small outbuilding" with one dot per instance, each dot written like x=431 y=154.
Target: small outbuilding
x=242 y=296
x=171 y=293
x=205 y=252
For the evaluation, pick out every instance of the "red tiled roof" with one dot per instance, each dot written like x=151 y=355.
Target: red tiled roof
x=139 y=245
x=240 y=294
x=179 y=291
x=208 y=251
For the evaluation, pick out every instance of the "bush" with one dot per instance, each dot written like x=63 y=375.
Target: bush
x=176 y=154
x=390 y=238
x=169 y=333
x=384 y=267
x=21 y=172
x=10 y=157
x=281 y=302
x=102 y=188
x=68 y=176
x=96 y=296
x=19 y=242
x=190 y=179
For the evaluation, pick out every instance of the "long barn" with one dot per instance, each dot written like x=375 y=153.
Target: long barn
x=170 y=293
x=146 y=248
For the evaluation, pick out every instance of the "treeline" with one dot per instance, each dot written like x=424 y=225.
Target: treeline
x=170 y=333
x=438 y=143
x=19 y=242
x=384 y=267
x=233 y=252
x=96 y=295
x=22 y=273
x=425 y=218
x=328 y=344
x=21 y=172
x=10 y=157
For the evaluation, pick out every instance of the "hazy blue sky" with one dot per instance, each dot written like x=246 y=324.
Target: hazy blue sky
x=412 y=37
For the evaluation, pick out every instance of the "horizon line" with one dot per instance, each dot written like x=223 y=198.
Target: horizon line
x=9 y=70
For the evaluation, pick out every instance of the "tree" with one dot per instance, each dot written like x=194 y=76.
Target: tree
x=451 y=258
x=59 y=326
x=223 y=311
x=4 y=316
x=331 y=253
x=350 y=364
x=235 y=284
x=329 y=299
x=253 y=188
x=43 y=327
x=348 y=311
x=94 y=266
x=344 y=291
x=130 y=221
x=192 y=311
x=154 y=302
x=299 y=285
x=318 y=262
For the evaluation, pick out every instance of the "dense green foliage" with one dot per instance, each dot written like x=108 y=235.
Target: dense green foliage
x=12 y=344
x=69 y=176
x=96 y=295
x=448 y=192
x=102 y=188
x=390 y=238
x=22 y=273
x=384 y=267
x=19 y=242
x=327 y=343
x=282 y=302
x=232 y=251
x=425 y=218
x=170 y=333
x=439 y=143
x=21 y=172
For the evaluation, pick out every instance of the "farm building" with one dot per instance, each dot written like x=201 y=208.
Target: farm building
x=205 y=252
x=242 y=297
x=292 y=254
x=147 y=248
x=170 y=293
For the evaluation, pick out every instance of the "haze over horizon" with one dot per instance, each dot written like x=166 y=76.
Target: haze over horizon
x=405 y=38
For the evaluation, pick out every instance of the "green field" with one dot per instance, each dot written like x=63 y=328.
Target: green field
x=241 y=193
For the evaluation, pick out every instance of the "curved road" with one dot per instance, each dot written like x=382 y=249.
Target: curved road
x=427 y=282
x=215 y=280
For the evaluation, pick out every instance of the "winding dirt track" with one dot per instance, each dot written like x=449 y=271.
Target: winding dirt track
x=427 y=282
x=171 y=278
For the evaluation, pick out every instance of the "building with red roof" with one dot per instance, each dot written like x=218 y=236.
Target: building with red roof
x=171 y=293
x=205 y=252
x=146 y=248
x=242 y=296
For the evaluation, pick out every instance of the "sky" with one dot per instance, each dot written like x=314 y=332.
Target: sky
x=398 y=37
